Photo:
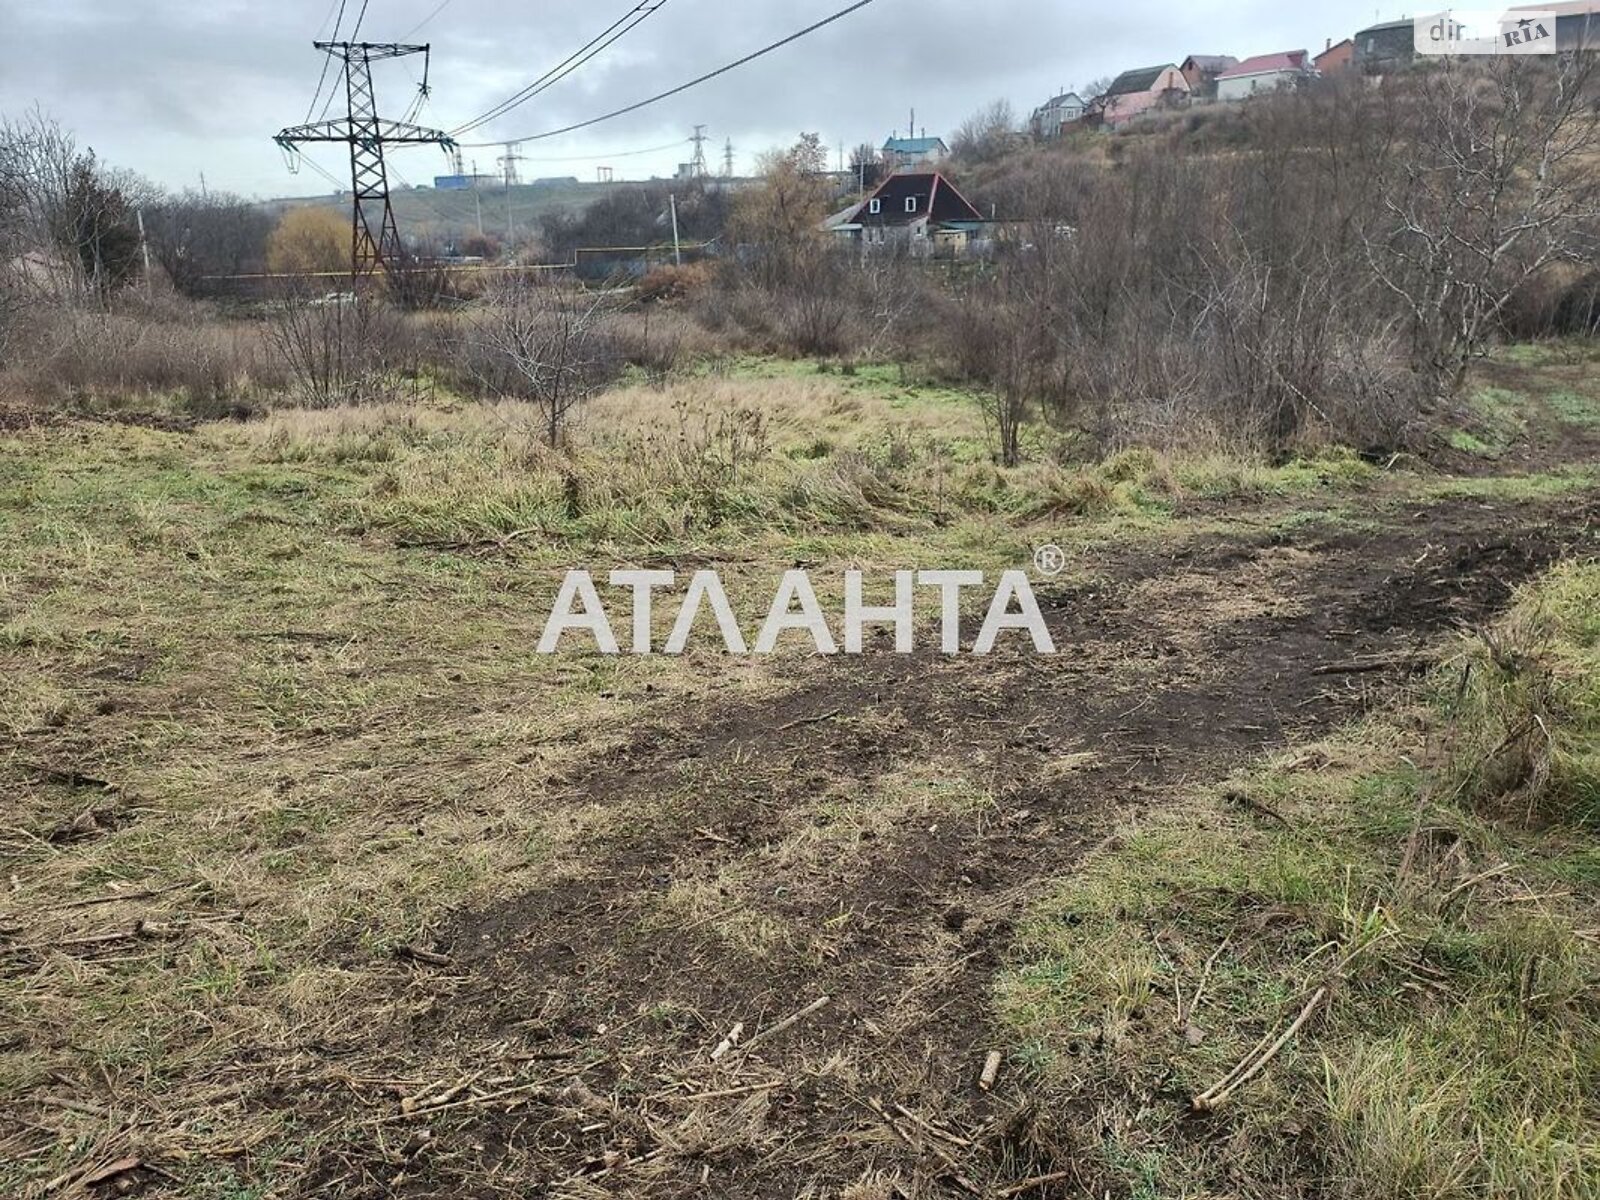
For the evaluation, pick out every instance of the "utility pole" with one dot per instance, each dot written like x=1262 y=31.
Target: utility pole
x=144 y=249
x=727 y=160
x=508 y=165
x=374 y=239
x=697 y=164
x=677 y=250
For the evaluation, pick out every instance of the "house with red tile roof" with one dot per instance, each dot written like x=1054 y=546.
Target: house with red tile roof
x=1264 y=73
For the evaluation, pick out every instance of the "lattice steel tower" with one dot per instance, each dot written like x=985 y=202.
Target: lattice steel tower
x=374 y=239
x=697 y=165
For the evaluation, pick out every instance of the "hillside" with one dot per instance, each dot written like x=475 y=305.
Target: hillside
x=425 y=213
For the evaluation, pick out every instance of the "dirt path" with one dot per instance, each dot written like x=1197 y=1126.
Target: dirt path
x=870 y=838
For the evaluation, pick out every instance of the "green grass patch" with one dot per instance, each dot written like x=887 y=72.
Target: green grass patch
x=1575 y=408
x=1497 y=420
x=1406 y=903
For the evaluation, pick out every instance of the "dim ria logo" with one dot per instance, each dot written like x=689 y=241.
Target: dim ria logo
x=579 y=615
x=1486 y=31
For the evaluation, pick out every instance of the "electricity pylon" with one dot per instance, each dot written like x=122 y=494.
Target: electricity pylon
x=697 y=165
x=507 y=163
x=374 y=239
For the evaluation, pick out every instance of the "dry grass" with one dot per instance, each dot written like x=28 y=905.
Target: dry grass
x=1454 y=1056
x=252 y=744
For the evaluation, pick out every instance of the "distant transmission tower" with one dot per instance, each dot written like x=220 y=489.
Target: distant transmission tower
x=697 y=164
x=727 y=159
x=374 y=239
x=508 y=164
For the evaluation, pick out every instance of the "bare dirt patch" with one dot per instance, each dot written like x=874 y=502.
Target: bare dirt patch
x=768 y=970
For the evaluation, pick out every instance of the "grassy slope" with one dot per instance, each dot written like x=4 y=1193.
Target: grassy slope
x=427 y=213
x=342 y=738
x=1456 y=1050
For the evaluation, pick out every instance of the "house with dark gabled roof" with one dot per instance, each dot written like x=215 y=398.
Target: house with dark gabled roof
x=1140 y=90
x=1385 y=47
x=912 y=211
x=1059 y=111
x=1200 y=71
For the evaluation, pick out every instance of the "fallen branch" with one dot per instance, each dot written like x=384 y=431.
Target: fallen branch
x=1016 y=1189
x=418 y=954
x=937 y=1131
x=521 y=1092
x=1186 y=1012
x=939 y=1152
x=1214 y=1096
x=1361 y=666
x=729 y=1042
x=792 y=1019
x=990 y=1071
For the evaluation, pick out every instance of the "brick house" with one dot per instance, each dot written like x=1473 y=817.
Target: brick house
x=1200 y=71
x=1337 y=58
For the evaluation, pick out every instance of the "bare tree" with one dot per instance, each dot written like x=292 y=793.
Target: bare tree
x=338 y=349
x=987 y=134
x=866 y=164
x=196 y=235
x=1491 y=178
x=542 y=341
x=12 y=222
x=73 y=209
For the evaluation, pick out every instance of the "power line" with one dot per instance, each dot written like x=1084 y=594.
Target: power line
x=439 y=8
x=323 y=77
x=360 y=17
x=619 y=154
x=618 y=29
x=684 y=87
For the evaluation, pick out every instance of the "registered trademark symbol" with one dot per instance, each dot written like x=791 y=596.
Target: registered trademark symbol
x=1049 y=559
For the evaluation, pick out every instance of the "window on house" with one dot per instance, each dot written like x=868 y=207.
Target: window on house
x=875 y=206
x=911 y=204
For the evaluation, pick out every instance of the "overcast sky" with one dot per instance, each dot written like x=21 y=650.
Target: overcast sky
x=174 y=88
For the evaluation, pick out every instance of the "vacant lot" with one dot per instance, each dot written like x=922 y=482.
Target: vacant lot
x=319 y=881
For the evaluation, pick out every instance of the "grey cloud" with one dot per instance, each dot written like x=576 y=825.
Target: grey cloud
x=172 y=88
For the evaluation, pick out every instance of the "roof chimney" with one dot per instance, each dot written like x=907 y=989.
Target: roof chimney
x=1328 y=47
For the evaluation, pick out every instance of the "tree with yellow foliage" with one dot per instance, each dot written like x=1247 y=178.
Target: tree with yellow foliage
x=778 y=223
x=307 y=240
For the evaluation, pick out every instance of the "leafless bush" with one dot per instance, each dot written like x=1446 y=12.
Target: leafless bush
x=544 y=341
x=654 y=339
x=338 y=348
x=204 y=365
